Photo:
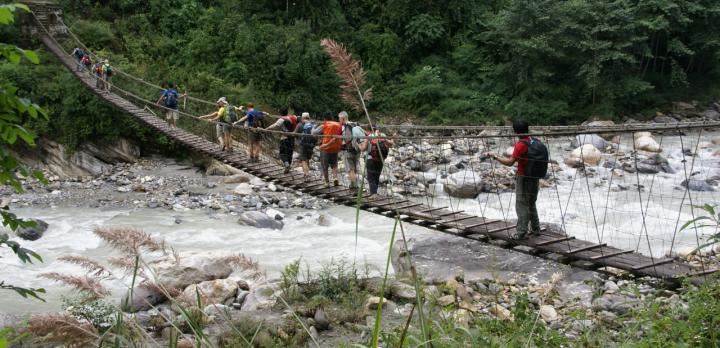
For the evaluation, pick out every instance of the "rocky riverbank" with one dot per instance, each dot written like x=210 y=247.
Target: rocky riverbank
x=224 y=299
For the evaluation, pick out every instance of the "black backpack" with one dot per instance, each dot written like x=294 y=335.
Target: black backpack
x=538 y=158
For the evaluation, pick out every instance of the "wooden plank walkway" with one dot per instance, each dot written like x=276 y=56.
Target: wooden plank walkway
x=547 y=243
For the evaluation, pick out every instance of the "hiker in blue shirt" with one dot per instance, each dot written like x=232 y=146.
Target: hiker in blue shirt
x=78 y=54
x=171 y=96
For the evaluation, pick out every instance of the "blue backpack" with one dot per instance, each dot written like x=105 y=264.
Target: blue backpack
x=308 y=140
x=254 y=118
x=171 y=98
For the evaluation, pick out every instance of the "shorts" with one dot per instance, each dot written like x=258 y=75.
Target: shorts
x=172 y=114
x=223 y=129
x=254 y=137
x=306 y=152
x=328 y=160
x=351 y=159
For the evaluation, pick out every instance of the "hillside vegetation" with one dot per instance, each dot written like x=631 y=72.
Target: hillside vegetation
x=462 y=61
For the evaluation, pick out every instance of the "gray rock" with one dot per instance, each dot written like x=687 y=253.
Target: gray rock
x=593 y=139
x=465 y=184
x=217 y=310
x=241 y=295
x=614 y=303
x=697 y=185
x=260 y=220
x=143 y=298
x=32 y=232
x=261 y=296
x=192 y=267
x=321 y=320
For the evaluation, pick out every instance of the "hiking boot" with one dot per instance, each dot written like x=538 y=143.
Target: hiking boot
x=534 y=231
x=336 y=183
x=287 y=170
x=519 y=236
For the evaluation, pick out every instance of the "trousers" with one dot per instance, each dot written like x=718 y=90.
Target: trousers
x=526 y=192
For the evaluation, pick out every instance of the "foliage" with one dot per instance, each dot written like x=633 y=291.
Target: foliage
x=98 y=312
x=711 y=220
x=14 y=113
x=449 y=62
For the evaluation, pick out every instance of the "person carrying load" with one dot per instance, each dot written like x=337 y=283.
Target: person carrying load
x=532 y=159
x=306 y=141
x=171 y=96
x=376 y=148
x=253 y=119
x=225 y=116
x=330 y=146
x=286 y=123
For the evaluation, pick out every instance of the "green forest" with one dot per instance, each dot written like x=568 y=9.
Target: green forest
x=462 y=62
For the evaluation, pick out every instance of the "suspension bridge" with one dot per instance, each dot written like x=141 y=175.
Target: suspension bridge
x=554 y=241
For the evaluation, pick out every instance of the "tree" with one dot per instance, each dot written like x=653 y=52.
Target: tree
x=14 y=111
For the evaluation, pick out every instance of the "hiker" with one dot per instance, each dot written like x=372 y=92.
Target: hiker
x=97 y=69
x=78 y=54
x=170 y=96
x=532 y=161
x=307 y=142
x=329 y=147
x=350 y=148
x=86 y=62
x=286 y=123
x=376 y=147
x=253 y=119
x=225 y=116
x=107 y=72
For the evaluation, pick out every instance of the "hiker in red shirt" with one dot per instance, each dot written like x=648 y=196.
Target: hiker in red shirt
x=532 y=160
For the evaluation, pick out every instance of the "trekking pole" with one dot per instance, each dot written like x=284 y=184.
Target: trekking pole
x=185 y=100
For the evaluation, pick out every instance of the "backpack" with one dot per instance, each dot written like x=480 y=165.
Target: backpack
x=107 y=69
x=230 y=114
x=290 y=122
x=308 y=141
x=254 y=118
x=171 y=98
x=538 y=158
x=85 y=60
x=98 y=68
x=357 y=134
x=379 y=148
x=78 y=53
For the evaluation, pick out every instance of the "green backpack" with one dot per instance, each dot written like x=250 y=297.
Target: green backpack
x=230 y=114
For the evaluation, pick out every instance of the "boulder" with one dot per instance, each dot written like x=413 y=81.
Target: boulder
x=216 y=167
x=686 y=252
x=464 y=184
x=244 y=189
x=119 y=150
x=548 y=313
x=372 y=303
x=664 y=119
x=501 y=313
x=321 y=320
x=262 y=296
x=212 y=291
x=592 y=139
x=614 y=303
x=587 y=153
x=697 y=185
x=192 y=267
x=712 y=115
x=260 y=220
x=144 y=297
x=236 y=179
x=32 y=232
x=645 y=142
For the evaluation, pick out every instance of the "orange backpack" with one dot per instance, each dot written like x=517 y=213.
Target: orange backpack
x=332 y=128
